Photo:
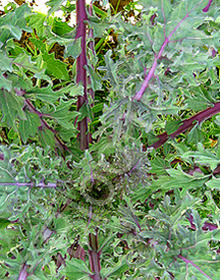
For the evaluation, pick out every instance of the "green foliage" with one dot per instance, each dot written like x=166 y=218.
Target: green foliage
x=119 y=209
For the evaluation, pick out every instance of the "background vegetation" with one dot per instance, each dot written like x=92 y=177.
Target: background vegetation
x=110 y=156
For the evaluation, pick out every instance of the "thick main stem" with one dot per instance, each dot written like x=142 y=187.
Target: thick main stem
x=94 y=256
x=81 y=17
x=23 y=275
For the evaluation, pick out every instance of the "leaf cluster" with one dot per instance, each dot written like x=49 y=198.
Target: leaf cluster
x=142 y=202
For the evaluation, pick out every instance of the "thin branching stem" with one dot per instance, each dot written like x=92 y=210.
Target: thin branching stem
x=150 y=74
x=188 y=124
x=193 y=264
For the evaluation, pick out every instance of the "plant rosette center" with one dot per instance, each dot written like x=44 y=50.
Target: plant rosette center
x=98 y=190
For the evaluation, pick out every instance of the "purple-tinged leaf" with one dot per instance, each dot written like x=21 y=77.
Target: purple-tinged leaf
x=209 y=226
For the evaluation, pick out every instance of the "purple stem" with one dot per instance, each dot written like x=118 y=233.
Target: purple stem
x=187 y=124
x=23 y=275
x=40 y=185
x=193 y=264
x=205 y=10
x=81 y=18
x=94 y=256
x=132 y=169
x=92 y=48
x=136 y=221
x=32 y=109
x=81 y=33
x=44 y=124
x=150 y=74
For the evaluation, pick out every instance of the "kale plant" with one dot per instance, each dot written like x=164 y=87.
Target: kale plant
x=109 y=156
